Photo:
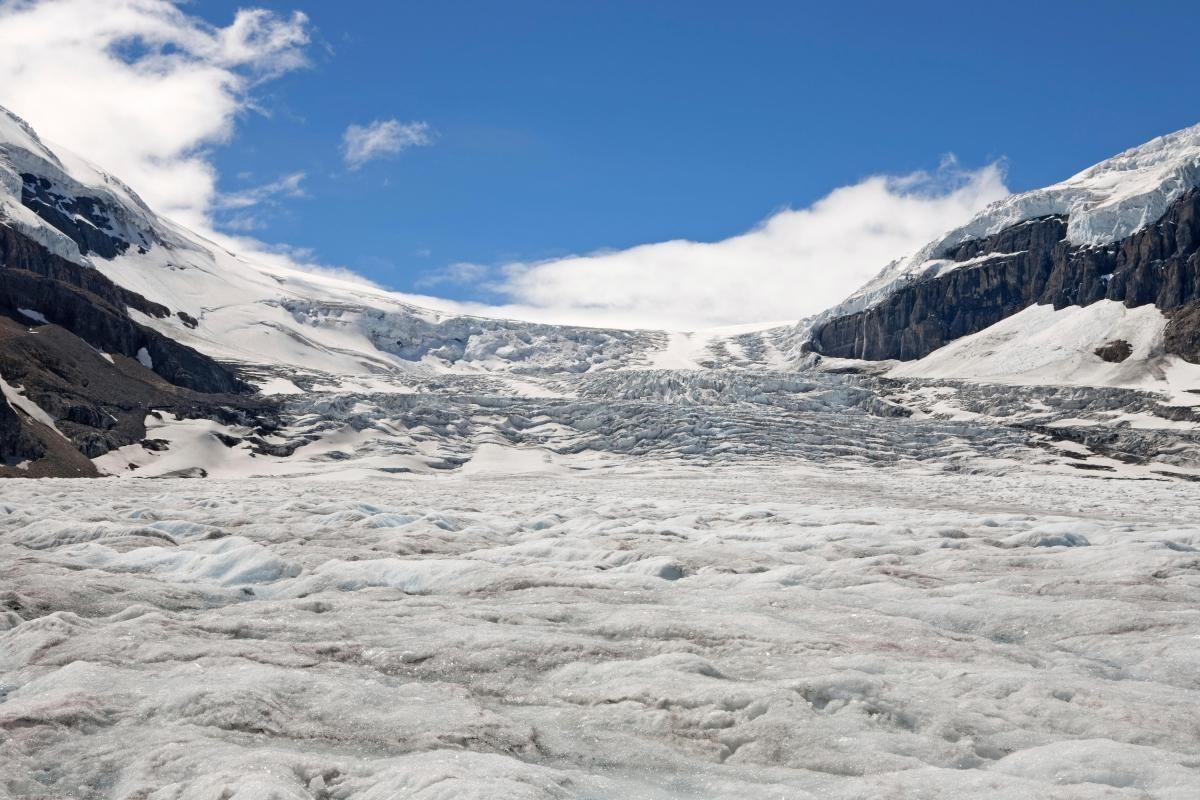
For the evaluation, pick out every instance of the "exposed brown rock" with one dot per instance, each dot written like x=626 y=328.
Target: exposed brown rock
x=16 y=443
x=19 y=252
x=100 y=405
x=1182 y=334
x=1115 y=351
x=82 y=367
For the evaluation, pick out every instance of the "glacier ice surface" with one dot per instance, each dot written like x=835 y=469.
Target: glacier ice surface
x=802 y=631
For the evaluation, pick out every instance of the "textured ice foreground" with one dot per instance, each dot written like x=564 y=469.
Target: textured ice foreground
x=758 y=633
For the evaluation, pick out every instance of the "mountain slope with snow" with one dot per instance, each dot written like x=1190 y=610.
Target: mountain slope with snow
x=1125 y=231
x=94 y=279
x=263 y=311
x=1104 y=203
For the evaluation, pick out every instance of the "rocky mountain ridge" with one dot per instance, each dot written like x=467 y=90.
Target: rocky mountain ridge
x=1032 y=262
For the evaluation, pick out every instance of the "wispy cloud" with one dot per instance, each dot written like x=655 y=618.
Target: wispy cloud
x=462 y=273
x=382 y=138
x=287 y=186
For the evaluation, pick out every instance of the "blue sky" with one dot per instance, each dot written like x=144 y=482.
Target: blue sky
x=568 y=156
x=567 y=127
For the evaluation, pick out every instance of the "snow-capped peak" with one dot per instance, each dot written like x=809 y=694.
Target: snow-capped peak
x=1104 y=203
x=55 y=181
x=17 y=133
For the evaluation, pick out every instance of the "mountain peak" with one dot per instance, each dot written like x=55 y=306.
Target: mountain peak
x=16 y=132
x=1105 y=202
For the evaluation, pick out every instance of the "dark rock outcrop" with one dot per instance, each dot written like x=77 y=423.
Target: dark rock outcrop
x=84 y=219
x=19 y=252
x=99 y=404
x=1027 y=264
x=94 y=308
x=1114 y=352
x=16 y=443
x=1182 y=334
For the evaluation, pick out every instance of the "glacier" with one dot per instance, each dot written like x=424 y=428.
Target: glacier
x=634 y=583
x=819 y=631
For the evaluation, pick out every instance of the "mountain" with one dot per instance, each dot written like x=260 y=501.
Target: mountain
x=1119 y=240
x=132 y=345
x=252 y=312
x=107 y=310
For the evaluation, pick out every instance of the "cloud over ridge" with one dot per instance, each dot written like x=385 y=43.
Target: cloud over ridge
x=795 y=263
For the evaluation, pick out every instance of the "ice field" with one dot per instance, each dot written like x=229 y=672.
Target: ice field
x=800 y=631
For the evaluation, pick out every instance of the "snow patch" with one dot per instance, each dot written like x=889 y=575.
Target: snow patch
x=15 y=396
x=497 y=459
x=277 y=386
x=1041 y=345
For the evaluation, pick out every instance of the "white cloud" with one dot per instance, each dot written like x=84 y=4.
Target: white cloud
x=241 y=211
x=140 y=88
x=461 y=272
x=795 y=263
x=287 y=186
x=384 y=137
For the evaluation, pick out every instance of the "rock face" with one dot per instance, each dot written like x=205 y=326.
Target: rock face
x=84 y=219
x=16 y=445
x=1026 y=264
x=93 y=308
x=1115 y=351
x=67 y=339
x=1182 y=334
x=19 y=252
x=99 y=401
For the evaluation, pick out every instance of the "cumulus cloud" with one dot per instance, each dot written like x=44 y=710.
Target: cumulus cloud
x=796 y=263
x=141 y=88
x=381 y=138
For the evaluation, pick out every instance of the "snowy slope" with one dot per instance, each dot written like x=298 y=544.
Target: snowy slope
x=1041 y=345
x=22 y=152
x=262 y=311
